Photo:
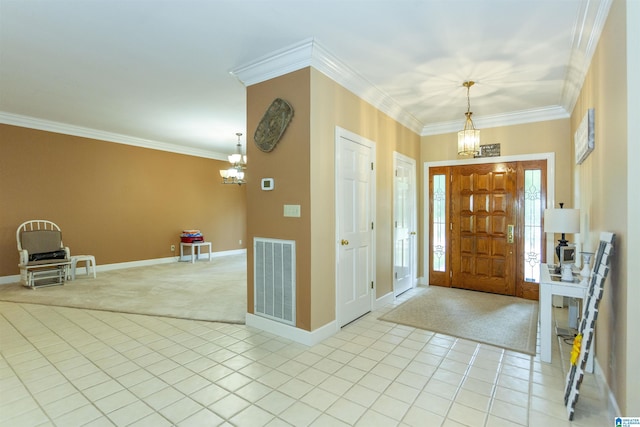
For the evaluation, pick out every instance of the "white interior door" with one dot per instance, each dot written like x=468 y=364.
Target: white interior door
x=404 y=220
x=355 y=210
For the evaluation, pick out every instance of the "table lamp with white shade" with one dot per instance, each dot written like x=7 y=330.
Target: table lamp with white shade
x=563 y=221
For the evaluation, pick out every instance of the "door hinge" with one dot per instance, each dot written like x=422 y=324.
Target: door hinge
x=371 y=165
x=450 y=226
x=396 y=172
x=372 y=225
x=396 y=224
x=371 y=285
x=396 y=275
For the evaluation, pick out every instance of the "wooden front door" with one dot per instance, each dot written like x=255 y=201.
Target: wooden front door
x=483 y=212
x=485 y=226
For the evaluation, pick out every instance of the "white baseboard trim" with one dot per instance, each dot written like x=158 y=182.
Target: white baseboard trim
x=422 y=281
x=384 y=300
x=187 y=258
x=612 y=404
x=5 y=280
x=308 y=338
x=228 y=253
x=132 y=264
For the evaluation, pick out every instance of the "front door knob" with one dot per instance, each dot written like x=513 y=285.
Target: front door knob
x=344 y=242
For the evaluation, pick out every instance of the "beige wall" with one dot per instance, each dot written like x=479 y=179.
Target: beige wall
x=603 y=193
x=288 y=165
x=117 y=202
x=553 y=136
x=333 y=105
x=303 y=167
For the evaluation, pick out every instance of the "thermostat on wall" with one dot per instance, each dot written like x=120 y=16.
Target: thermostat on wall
x=267 y=184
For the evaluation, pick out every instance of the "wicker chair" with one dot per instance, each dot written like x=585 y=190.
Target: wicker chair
x=44 y=260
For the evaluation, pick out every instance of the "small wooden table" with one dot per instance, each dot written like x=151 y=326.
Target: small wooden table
x=193 y=246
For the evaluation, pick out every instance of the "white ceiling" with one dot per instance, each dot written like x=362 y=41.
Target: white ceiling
x=169 y=73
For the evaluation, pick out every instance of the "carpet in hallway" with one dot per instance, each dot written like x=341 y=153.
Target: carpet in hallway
x=499 y=320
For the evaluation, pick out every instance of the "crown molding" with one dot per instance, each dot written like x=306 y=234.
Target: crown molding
x=347 y=77
x=310 y=53
x=275 y=64
x=67 y=129
x=586 y=32
x=553 y=112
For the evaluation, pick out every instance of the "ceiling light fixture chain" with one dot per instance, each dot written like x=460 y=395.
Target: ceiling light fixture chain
x=469 y=136
x=468 y=85
x=235 y=174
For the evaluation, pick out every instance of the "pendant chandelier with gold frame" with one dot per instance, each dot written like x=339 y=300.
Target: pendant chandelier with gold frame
x=469 y=136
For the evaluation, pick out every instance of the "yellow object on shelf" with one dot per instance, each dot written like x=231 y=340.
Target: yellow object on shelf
x=575 y=351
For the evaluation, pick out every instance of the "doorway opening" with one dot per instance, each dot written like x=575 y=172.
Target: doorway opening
x=484 y=220
x=405 y=259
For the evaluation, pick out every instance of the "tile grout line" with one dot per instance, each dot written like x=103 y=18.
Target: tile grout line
x=52 y=364
x=60 y=311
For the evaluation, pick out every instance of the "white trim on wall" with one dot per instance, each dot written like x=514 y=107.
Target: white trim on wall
x=4 y=280
x=311 y=53
x=298 y=335
x=552 y=112
x=384 y=300
x=84 y=132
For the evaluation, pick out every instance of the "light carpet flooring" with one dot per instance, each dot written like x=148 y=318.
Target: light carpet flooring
x=65 y=367
x=213 y=291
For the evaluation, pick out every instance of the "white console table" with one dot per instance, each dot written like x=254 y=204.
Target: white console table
x=193 y=247
x=550 y=284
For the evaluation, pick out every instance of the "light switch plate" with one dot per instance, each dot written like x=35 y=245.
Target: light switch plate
x=292 y=211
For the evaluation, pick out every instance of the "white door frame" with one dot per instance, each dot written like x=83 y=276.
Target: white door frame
x=551 y=193
x=414 y=216
x=343 y=133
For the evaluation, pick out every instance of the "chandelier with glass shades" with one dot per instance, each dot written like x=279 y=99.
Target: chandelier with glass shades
x=235 y=174
x=469 y=136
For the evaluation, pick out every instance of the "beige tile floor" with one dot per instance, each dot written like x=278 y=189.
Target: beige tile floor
x=66 y=367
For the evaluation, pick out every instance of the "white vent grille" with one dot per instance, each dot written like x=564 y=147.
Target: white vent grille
x=274 y=275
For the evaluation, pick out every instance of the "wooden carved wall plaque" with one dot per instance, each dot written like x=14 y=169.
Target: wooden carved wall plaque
x=273 y=124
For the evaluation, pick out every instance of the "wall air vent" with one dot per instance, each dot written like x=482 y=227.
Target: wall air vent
x=274 y=275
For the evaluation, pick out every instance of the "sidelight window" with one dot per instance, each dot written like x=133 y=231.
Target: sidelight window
x=439 y=222
x=532 y=225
